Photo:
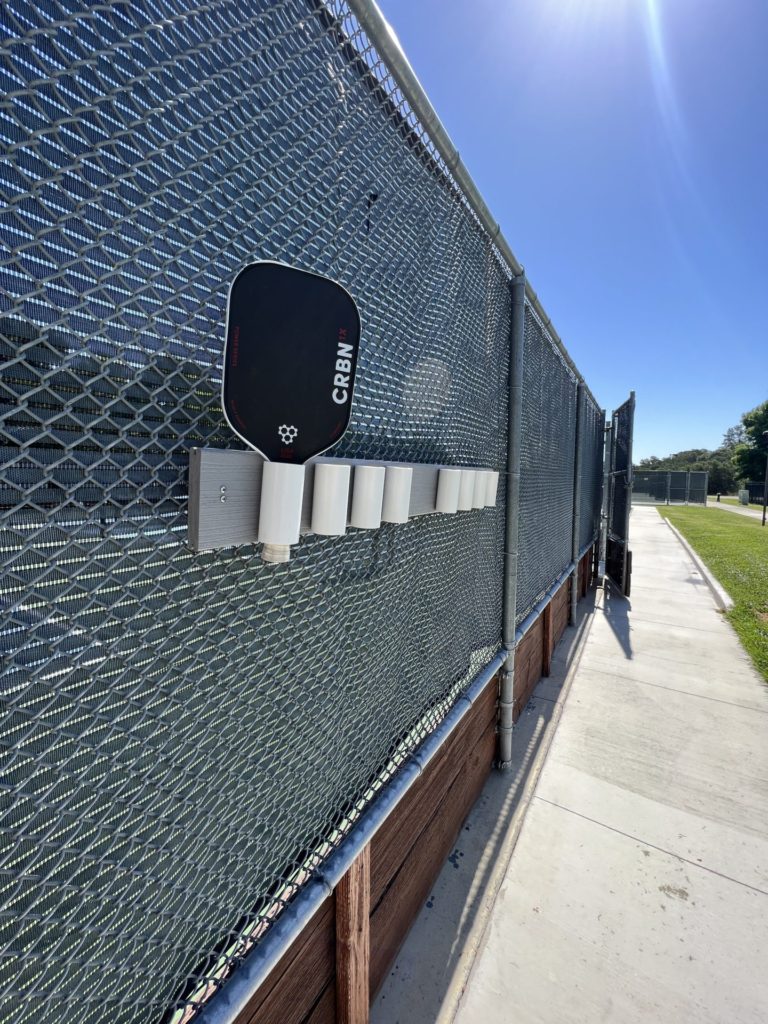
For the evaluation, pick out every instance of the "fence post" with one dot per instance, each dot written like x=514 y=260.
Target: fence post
x=511 y=542
x=353 y=941
x=575 y=537
x=546 y=621
x=669 y=487
x=687 y=487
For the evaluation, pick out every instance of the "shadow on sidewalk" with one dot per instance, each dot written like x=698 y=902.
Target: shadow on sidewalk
x=429 y=974
x=616 y=609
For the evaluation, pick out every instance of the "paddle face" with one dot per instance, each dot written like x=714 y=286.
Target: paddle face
x=290 y=357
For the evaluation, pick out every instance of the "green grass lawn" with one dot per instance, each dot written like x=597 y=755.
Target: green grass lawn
x=735 y=549
x=735 y=501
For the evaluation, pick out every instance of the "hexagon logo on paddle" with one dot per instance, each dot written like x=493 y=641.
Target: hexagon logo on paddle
x=290 y=357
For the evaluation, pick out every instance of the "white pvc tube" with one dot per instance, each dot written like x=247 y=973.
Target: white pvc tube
x=492 y=482
x=282 y=491
x=448 y=484
x=367 y=497
x=481 y=486
x=397 y=494
x=466 y=490
x=330 y=499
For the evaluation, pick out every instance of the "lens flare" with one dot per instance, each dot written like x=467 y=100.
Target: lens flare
x=663 y=83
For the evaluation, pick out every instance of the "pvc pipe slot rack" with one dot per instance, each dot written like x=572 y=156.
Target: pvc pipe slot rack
x=238 y=497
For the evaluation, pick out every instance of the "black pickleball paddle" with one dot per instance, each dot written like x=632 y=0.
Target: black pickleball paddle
x=290 y=357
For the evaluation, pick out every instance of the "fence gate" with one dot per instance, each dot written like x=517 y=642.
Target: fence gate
x=618 y=558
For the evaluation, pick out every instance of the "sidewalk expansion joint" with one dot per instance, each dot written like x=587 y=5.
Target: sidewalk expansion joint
x=685 y=660
x=652 y=846
x=676 y=625
x=675 y=689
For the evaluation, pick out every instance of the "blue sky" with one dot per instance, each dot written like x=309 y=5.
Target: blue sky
x=623 y=147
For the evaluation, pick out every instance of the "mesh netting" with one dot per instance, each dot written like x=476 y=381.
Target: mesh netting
x=185 y=736
x=591 y=427
x=622 y=466
x=677 y=486
x=756 y=490
x=618 y=518
x=546 y=465
x=617 y=550
x=697 y=487
x=183 y=733
x=649 y=487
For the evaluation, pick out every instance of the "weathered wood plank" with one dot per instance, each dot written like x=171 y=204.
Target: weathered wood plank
x=528 y=665
x=406 y=896
x=546 y=665
x=561 y=611
x=324 y=1010
x=353 y=941
x=297 y=980
x=397 y=836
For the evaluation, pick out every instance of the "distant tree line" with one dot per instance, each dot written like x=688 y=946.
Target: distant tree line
x=739 y=458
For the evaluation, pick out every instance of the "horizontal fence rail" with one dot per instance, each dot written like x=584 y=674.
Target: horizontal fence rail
x=191 y=739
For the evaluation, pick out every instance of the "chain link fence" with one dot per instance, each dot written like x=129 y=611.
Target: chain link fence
x=591 y=435
x=677 y=487
x=546 y=465
x=698 y=487
x=621 y=468
x=184 y=737
x=756 y=489
x=618 y=562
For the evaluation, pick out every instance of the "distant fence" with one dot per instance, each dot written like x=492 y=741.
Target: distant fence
x=669 y=488
x=756 y=490
x=186 y=736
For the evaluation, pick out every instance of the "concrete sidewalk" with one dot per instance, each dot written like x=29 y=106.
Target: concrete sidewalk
x=638 y=888
x=740 y=510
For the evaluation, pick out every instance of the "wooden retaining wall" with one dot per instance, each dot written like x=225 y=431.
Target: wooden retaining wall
x=336 y=966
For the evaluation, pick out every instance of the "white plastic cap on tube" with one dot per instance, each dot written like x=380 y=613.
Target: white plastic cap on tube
x=282 y=491
x=466 y=490
x=481 y=486
x=397 y=494
x=492 y=488
x=330 y=499
x=448 y=484
x=367 y=497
